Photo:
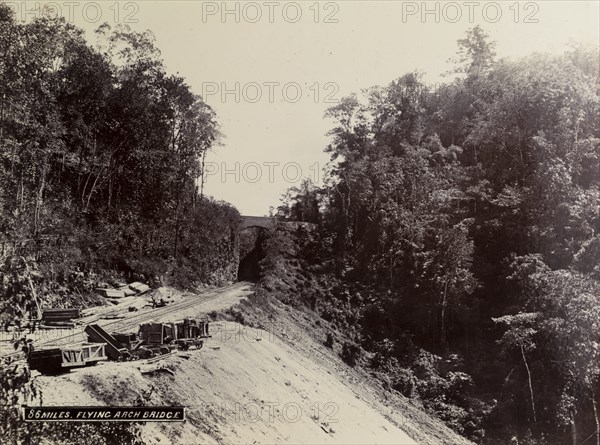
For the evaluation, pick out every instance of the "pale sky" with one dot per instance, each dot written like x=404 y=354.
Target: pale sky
x=265 y=54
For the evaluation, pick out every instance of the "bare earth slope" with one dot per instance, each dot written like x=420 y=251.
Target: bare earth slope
x=250 y=386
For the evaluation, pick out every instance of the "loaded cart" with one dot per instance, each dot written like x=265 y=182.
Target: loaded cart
x=63 y=358
x=181 y=334
x=151 y=339
x=159 y=337
x=190 y=332
x=134 y=345
x=115 y=350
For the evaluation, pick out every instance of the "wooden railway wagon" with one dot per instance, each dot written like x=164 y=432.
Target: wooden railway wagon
x=151 y=339
x=133 y=344
x=159 y=337
x=63 y=358
x=190 y=332
x=116 y=351
x=183 y=334
x=92 y=353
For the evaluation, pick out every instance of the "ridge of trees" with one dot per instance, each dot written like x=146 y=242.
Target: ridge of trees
x=101 y=172
x=466 y=222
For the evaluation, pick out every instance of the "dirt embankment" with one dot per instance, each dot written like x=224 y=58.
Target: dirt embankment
x=277 y=384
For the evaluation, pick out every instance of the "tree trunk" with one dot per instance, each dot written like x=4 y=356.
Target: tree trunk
x=32 y=288
x=178 y=199
x=89 y=198
x=176 y=237
x=444 y=311
x=595 y=405
x=203 y=167
x=112 y=167
x=20 y=193
x=530 y=386
x=2 y=117
x=40 y=198
x=4 y=63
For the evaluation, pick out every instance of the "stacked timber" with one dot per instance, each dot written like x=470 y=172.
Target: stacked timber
x=111 y=293
x=139 y=288
x=58 y=317
x=129 y=292
x=59 y=314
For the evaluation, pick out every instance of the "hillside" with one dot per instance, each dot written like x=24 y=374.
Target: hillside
x=439 y=278
x=277 y=384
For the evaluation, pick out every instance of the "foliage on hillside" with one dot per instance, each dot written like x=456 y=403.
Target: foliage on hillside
x=458 y=241
x=102 y=159
x=101 y=173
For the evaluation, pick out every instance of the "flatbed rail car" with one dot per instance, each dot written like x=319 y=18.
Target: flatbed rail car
x=63 y=358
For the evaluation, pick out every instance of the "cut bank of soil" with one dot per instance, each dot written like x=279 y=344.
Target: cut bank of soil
x=278 y=384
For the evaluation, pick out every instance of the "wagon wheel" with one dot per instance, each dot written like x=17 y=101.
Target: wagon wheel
x=147 y=353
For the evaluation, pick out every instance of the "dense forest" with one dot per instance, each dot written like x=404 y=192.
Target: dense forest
x=102 y=157
x=459 y=242
x=101 y=160
x=457 y=239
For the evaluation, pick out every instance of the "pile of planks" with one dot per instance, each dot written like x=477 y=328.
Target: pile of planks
x=59 y=318
x=111 y=293
x=125 y=291
x=139 y=288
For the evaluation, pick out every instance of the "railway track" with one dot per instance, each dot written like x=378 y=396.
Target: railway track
x=132 y=321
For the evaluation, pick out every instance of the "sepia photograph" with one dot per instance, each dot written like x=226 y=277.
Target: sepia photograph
x=304 y=222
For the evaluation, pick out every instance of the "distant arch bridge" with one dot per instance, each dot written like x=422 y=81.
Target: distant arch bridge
x=263 y=222
x=267 y=222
